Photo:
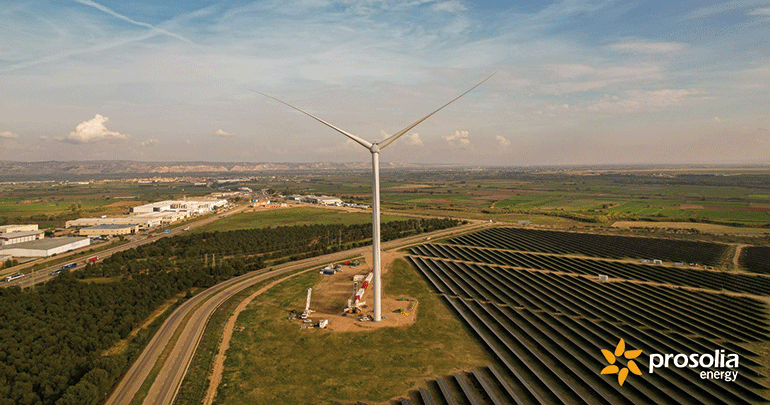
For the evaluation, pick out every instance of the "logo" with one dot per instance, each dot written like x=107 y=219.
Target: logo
x=611 y=357
x=719 y=366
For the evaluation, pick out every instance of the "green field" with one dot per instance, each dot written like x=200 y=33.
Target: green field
x=272 y=361
x=303 y=215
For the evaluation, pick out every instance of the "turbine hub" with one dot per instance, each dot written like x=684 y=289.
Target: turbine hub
x=375 y=148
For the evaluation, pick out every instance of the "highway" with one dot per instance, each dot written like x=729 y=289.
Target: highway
x=166 y=386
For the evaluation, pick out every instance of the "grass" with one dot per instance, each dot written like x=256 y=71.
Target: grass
x=302 y=215
x=272 y=361
x=196 y=380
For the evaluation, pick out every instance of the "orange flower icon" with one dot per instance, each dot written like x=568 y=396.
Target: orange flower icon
x=611 y=357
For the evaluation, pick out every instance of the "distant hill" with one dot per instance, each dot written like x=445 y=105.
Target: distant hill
x=13 y=171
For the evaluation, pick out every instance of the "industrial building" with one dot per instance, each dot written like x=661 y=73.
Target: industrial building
x=44 y=247
x=323 y=200
x=153 y=215
x=201 y=206
x=10 y=238
x=109 y=230
x=17 y=228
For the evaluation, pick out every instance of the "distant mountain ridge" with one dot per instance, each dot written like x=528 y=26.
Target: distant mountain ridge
x=112 y=167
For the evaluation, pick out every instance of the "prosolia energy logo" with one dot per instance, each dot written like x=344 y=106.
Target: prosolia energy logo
x=717 y=366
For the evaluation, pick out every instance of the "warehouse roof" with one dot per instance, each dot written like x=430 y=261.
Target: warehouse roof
x=45 y=244
x=112 y=226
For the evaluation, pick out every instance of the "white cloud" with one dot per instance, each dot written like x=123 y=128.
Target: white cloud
x=639 y=100
x=43 y=137
x=222 y=133
x=460 y=139
x=149 y=142
x=8 y=135
x=648 y=47
x=717 y=120
x=502 y=141
x=93 y=130
x=760 y=11
x=347 y=146
x=413 y=139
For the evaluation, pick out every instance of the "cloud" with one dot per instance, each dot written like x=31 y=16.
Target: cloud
x=43 y=137
x=347 y=146
x=413 y=139
x=648 y=47
x=460 y=139
x=222 y=133
x=502 y=141
x=760 y=11
x=149 y=142
x=717 y=120
x=8 y=135
x=93 y=130
x=124 y=18
x=640 y=100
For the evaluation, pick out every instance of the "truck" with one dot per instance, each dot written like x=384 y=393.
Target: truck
x=92 y=260
x=167 y=231
x=69 y=266
x=14 y=277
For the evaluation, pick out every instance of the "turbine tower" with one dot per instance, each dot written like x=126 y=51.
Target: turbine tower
x=375 y=148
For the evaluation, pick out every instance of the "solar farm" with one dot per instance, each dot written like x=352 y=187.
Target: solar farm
x=547 y=303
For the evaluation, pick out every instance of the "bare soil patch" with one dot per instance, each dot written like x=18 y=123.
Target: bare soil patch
x=330 y=296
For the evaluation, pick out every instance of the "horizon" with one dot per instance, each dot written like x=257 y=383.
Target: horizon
x=577 y=83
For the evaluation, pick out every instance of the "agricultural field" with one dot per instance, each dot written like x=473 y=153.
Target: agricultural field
x=50 y=204
x=546 y=318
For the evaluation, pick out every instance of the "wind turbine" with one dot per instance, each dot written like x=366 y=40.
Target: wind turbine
x=375 y=148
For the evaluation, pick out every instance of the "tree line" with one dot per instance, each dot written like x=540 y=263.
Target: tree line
x=53 y=339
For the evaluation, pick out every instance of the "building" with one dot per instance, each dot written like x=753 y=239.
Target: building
x=323 y=200
x=109 y=230
x=11 y=238
x=200 y=206
x=44 y=247
x=17 y=228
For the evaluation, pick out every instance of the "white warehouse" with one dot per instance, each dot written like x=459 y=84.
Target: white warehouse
x=44 y=247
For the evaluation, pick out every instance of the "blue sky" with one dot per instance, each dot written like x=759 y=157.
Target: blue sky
x=577 y=82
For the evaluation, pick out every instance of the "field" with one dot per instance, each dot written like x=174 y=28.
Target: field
x=50 y=204
x=302 y=215
x=547 y=325
x=272 y=361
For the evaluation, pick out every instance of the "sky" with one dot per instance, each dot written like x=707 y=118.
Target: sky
x=575 y=82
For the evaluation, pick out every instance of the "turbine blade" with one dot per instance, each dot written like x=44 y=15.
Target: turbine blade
x=390 y=140
x=363 y=142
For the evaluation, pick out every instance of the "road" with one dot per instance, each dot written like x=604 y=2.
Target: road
x=45 y=274
x=166 y=385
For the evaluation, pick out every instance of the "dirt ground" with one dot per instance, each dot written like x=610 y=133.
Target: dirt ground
x=330 y=296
